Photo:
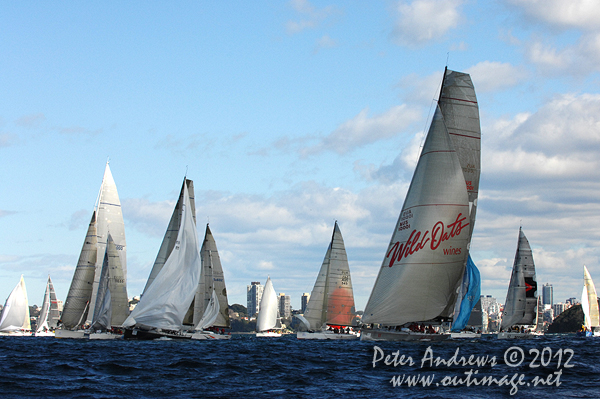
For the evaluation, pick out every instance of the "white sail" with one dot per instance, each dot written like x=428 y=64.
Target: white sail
x=521 y=298
x=49 y=313
x=80 y=291
x=589 y=301
x=119 y=302
x=212 y=282
x=168 y=298
x=268 y=315
x=42 y=320
x=332 y=299
x=458 y=104
x=15 y=314
x=210 y=314
x=103 y=310
x=424 y=264
x=170 y=237
x=109 y=219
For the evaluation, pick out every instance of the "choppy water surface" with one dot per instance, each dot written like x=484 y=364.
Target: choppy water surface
x=288 y=367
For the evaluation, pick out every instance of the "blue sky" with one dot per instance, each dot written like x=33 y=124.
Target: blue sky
x=289 y=116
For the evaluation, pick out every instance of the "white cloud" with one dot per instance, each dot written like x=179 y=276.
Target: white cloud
x=579 y=14
x=549 y=53
x=578 y=59
x=364 y=129
x=31 y=121
x=425 y=20
x=311 y=17
x=325 y=42
x=491 y=76
x=6 y=140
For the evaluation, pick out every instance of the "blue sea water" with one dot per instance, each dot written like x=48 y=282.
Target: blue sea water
x=287 y=367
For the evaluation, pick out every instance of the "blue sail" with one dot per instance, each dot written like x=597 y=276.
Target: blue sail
x=472 y=280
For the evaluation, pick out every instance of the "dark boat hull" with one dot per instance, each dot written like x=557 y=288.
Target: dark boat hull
x=146 y=335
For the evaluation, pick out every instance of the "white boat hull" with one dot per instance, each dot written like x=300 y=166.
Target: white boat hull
x=16 y=334
x=385 y=335
x=271 y=334
x=77 y=334
x=105 y=335
x=44 y=334
x=326 y=335
x=518 y=335
x=465 y=335
x=206 y=335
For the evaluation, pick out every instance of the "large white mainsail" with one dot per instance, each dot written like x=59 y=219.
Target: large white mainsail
x=424 y=264
x=459 y=107
x=458 y=104
x=589 y=301
x=212 y=283
x=521 y=298
x=15 y=314
x=49 y=314
x=332 y=299
x=268 y=315
x=168 y=298
x=109 y=219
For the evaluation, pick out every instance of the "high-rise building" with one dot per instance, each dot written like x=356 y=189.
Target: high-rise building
x=489 y=304
x=285 y=308
x=559 y=308
x=304 y=301
x=547 y=295
x=254 y=293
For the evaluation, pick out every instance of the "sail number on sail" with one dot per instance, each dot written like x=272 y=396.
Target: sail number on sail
x=404 y=224
x=345 y=277
x=417 y=241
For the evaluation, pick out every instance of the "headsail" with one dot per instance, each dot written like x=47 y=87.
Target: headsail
x=471 y=292
x=589 y=301
x=521 y=298
x=332 y=299
x=170 y=237
x=80 y=291
x=168 y=298
x=112 y=303
x=212 y=283
x=15 y=314
x=49 y=313
x=268 y=315
x=424 y=264
x=210 y=314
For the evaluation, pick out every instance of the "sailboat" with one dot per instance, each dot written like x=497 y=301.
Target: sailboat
x=520 y=308
x=174 y=278
x=268 y=322
x=14 y=320
x=82 y=297
x=49 y=314
x=589 y=305
x=423 y=267
x=330 y=309
x=211 y=308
